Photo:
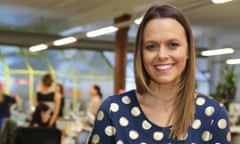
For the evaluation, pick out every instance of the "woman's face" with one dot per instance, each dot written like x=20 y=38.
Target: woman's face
x=92 y=91
x=45 y=115
x=164 y=50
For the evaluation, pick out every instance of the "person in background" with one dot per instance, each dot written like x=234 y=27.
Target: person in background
x=60 y=90
x=91 y=109
x=5 y=103
x=47 y=94
x=164 y=108
x=95 y=100
x=41 y=116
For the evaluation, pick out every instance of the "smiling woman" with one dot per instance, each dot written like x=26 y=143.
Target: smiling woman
x=164 y=108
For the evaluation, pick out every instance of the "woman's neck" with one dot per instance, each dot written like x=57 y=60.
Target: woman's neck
x=158 y=105
x=46 y=89
x=161 y=95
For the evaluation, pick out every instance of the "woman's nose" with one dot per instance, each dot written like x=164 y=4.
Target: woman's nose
x=162 y=52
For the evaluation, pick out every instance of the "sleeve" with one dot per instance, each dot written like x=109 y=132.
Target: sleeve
x=221 y=127
x=10 y=100
x=103 y=130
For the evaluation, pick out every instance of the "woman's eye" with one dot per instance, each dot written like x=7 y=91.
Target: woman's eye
x=173 y=45
x=151 y=46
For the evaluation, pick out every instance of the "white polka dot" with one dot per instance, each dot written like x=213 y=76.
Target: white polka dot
x=114 y=107
x=209 y=111
x=119 y=142
x=100 y=115
x=133 y=134
x=146 y=125
x=123 y=121
x=135 y=111
x=200 y=101
x=110 y=131
x=126 y=100
x=196 y=124
x=206 y=136
x=158 y=136
x=95 y=139
x=222 y=123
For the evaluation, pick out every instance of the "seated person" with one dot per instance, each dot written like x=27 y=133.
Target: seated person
x=41 y=116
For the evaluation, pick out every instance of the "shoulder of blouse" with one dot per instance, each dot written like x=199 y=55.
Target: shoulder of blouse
x=207 y=100
x=209 y=106
x=117 y=99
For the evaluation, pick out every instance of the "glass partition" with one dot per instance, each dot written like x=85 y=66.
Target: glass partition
x=9 y=50
x=19 y=84
x=13 y=58
x=58 y=61
x=110 y=57
x=98 y=62
x=38 y=63
x=15 y=61
x=71 y=53
x=79 y=63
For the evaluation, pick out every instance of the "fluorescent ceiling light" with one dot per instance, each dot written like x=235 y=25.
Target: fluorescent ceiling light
x=233 y=61
x=102 y=31
x=64 y=41
x=39 y=47
x=220 y=1
x=217 y=52
x=138 y=20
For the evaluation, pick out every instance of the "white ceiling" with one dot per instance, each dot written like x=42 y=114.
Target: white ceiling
x=213 y=25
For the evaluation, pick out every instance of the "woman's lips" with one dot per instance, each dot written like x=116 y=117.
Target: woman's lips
x=164 y=67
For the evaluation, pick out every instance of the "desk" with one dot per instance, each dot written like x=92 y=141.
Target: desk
x=68 y=132
x=73 y=126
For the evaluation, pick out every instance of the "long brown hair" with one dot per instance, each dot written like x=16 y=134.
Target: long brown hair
x=61 y=88
x=98 y=89
x=184 y=107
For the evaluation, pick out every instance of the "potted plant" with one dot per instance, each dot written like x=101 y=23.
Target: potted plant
x=226 y=90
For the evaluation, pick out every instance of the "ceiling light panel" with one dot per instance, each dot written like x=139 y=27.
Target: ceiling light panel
x=101 y=31
x=233 y=61
x=64 y=41
x=217 y=52
x=39 y=47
